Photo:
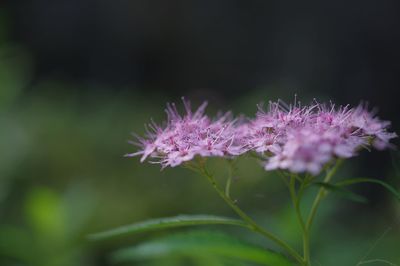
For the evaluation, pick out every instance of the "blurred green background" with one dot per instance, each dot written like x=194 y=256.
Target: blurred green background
x=63 y=137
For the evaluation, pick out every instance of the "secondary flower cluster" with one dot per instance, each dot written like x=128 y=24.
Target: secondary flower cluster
x=296 y=138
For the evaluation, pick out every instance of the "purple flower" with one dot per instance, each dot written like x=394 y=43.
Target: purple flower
x=291 y=137
x=305 y=139
x=370 y=126
x=189 y=135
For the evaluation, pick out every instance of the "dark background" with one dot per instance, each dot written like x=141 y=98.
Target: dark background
x=346 y=49
x=77 y=76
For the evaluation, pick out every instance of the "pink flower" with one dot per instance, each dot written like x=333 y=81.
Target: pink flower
x=304 y=139
x=291 y=137
x=367 y=124
x=189 y=135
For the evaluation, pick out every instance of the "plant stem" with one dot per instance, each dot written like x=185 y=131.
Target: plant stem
x=296 y=199
x=321 y=194
x=314 y=208
x=230 y=176
x=250 y=222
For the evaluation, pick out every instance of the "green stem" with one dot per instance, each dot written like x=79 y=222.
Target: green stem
x=296 y=199
x=228 y=186
x=250 y=222
x=321 y=194
x=314 y=208
x=231 y=171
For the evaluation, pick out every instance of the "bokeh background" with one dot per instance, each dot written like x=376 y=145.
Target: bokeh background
x=78 y=76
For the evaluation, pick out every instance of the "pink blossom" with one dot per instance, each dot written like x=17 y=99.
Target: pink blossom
x=291 y=137
x=305 y=139
x=189 y=135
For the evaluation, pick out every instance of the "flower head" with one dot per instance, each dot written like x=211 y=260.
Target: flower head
x=291 y=137
x=304 y=139
x=188 y=135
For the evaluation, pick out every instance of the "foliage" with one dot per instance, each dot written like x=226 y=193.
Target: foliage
x=200 y=244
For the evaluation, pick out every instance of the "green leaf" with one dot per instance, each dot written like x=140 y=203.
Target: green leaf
x=353 y=181
x=200 y=244
x=168 y=222
x=342 y=192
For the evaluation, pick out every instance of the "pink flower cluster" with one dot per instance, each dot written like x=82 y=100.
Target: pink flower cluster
x=304 y=139
x=295 y=138
x=186 y=136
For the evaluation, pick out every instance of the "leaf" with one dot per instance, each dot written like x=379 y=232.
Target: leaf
x=198 y=244
x=168 y=222
x=342 y=192
x=353 y=181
